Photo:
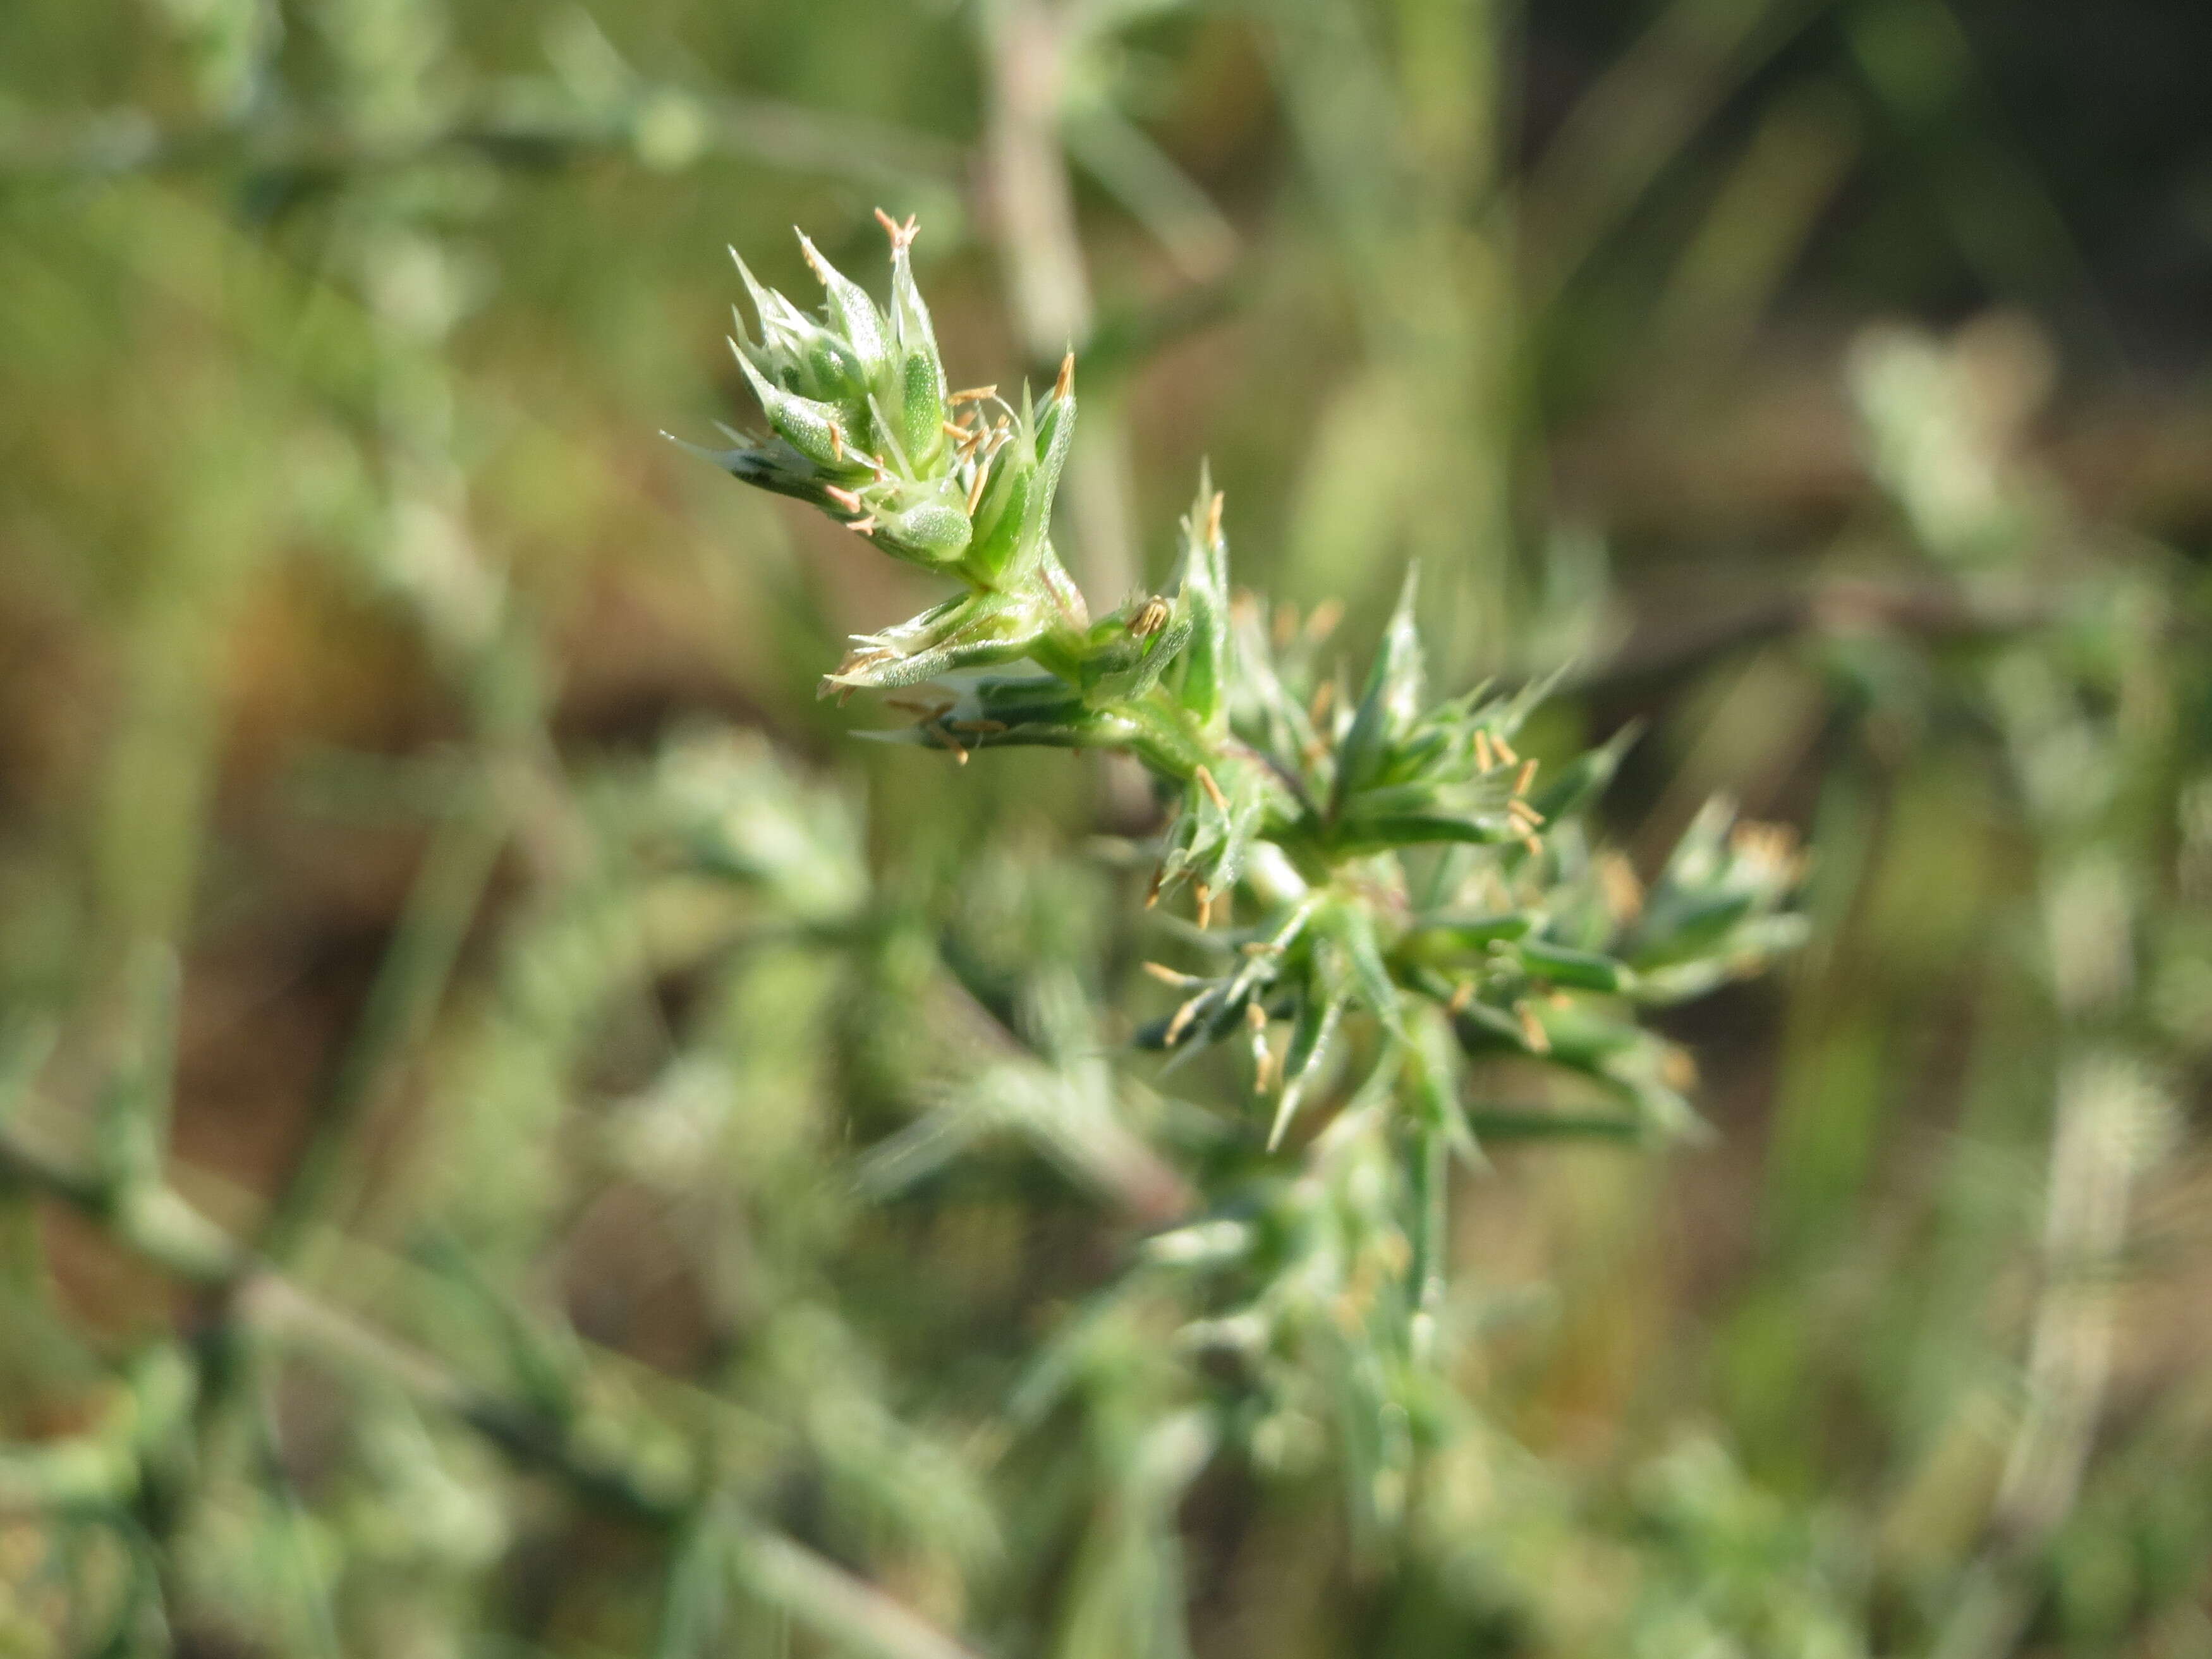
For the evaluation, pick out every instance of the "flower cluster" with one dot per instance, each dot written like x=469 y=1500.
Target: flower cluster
x=1364 y=851
x=862 y=426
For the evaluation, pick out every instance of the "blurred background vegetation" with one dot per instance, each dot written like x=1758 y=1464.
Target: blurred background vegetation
x=485 y=1060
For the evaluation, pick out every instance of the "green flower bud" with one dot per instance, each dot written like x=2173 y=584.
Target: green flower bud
x=814 y=428
x=1013 y=514
x=920 y=403
x=853 y=315
x=920 y=386
x=796 y=352
x=933 y=532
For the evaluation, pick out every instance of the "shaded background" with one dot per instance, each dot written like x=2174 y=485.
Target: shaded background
x=363 y=646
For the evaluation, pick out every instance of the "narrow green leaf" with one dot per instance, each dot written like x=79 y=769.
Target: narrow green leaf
x=1370 y=975
x=1055 y=437
x=1391 y=702
x=1313 y=1029
x=1452 y=938
x=1204 y=590
x=1586 y=970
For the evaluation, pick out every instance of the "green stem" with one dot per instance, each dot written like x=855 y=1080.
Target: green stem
x=409 y=984
x=156 y=1223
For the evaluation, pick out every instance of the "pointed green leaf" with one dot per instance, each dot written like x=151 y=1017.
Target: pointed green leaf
x=852 y=312
x=934 y=532
x=1204 y=593
x=1055 y=437
x=1391 y=702
x=1583 y=778
x=1586 y=970
x=1320 y=1007
x=1356 y=928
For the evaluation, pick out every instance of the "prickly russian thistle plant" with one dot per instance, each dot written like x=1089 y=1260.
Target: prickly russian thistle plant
x=1378 y=854
x=1387 y=892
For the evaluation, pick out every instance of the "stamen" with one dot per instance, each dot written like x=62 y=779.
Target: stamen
x=1262 y=1057
x=1678 y=1067
x=1624 y=894
x=902 y=236
x=1213 y=789
x=926 y=709
x=1532 y=1030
